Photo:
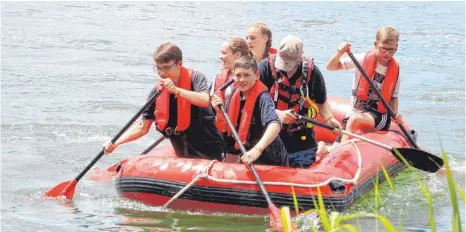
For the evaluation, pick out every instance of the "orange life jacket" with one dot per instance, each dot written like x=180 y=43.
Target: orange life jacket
x=247 y=112
x=296 y=97
x=220 y=80
x=388 y=85
x=162 y=106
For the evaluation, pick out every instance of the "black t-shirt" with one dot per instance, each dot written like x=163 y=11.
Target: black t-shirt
x=264 y=114
x=317 y=92
x=202 y=137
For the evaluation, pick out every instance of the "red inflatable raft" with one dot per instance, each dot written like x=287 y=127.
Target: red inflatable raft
x=343 y=175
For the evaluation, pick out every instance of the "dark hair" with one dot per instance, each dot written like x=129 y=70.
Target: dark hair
x=239 y=45
x=246 y=62
x=265 y=30
x=387 y=35
x=167 y=52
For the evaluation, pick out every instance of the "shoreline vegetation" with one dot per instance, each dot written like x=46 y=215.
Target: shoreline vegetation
x=320 y=219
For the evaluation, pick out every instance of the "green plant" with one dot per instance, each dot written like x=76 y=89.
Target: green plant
x=335 y=221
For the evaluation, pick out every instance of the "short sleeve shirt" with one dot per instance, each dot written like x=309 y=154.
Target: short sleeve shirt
x=294 y=142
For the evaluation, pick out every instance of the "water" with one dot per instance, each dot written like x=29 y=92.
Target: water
x=72 y=75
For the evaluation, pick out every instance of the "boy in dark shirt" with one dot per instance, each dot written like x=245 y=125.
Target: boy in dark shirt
x=252 y=112
x=182 y=112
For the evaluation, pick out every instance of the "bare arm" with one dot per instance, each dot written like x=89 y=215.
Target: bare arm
x=271 y=132
x=325 y=110
x=394 y=105
x=135 y=132
x=200 y=99
x=334 y=63
x=327 y=114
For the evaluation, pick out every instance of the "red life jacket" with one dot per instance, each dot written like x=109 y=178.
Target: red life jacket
x=162 y=106
x=388 y=85
x=220 y=80
x=247 y=113
x=287 y=96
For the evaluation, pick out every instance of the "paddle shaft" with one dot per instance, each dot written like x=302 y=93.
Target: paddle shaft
x=156 y=143
x=131 y=121
x=243 y=150
x=376 y=91
x=343 y=131
x=160 y=140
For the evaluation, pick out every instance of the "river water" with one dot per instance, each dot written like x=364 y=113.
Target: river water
x=73 y=73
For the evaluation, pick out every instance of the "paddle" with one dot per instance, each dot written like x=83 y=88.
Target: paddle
x=67 y=188
x=438 y=160
x=274 y=211
x=417 y=158
x=114 y=167
x=112 y=170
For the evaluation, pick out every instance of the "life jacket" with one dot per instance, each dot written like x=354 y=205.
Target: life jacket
x=220 y=80
x=388 y=84
x=272 y=51
x=247 y=112
x=162 y=107
x=296 y=97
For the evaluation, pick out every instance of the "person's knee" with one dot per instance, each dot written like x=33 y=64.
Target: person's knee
x=353 y=123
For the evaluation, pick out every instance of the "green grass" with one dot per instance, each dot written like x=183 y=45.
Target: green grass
x=335 y=221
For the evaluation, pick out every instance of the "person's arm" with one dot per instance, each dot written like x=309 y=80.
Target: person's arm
x=200 y=94
x=318 y=92
x=272 y=126
x=394 y=105
x=200 y=99
x=334 y=63
x=134 y=133
x=271 y=132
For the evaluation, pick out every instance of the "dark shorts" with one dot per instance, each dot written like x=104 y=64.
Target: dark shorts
x=302 y=159
x=382 y=122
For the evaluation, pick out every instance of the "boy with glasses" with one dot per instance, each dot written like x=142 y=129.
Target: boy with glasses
x=182 y=112
x=368 y=113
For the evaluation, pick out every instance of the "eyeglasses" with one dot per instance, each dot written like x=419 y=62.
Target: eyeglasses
x=163 y=69
x=389 y=50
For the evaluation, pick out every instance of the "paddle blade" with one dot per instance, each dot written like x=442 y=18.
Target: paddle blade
x=275 y=221
x=65 y=189
x=419 y=159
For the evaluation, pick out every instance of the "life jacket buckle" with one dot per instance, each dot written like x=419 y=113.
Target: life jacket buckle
x=170 y=131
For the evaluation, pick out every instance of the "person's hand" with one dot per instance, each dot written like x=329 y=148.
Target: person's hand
x=109 y=147
x=216 y=100
x=251 y=156
x=286 y=116
x=335 y=123
x=343 y=47
x=398 y=119
x=168 y=84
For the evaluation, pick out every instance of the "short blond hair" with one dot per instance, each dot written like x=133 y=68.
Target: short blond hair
x=387 y=35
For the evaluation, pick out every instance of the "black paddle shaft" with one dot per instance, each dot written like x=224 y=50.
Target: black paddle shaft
x=243 y=150
x=376 y=91
x=416 y=158
x=160 y=140
x=131 y=121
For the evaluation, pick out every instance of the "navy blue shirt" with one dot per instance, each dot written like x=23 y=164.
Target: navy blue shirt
x=317 y=92
x=263 y=115
x=202 y=137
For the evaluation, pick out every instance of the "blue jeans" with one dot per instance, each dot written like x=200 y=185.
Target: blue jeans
x=302 y=159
